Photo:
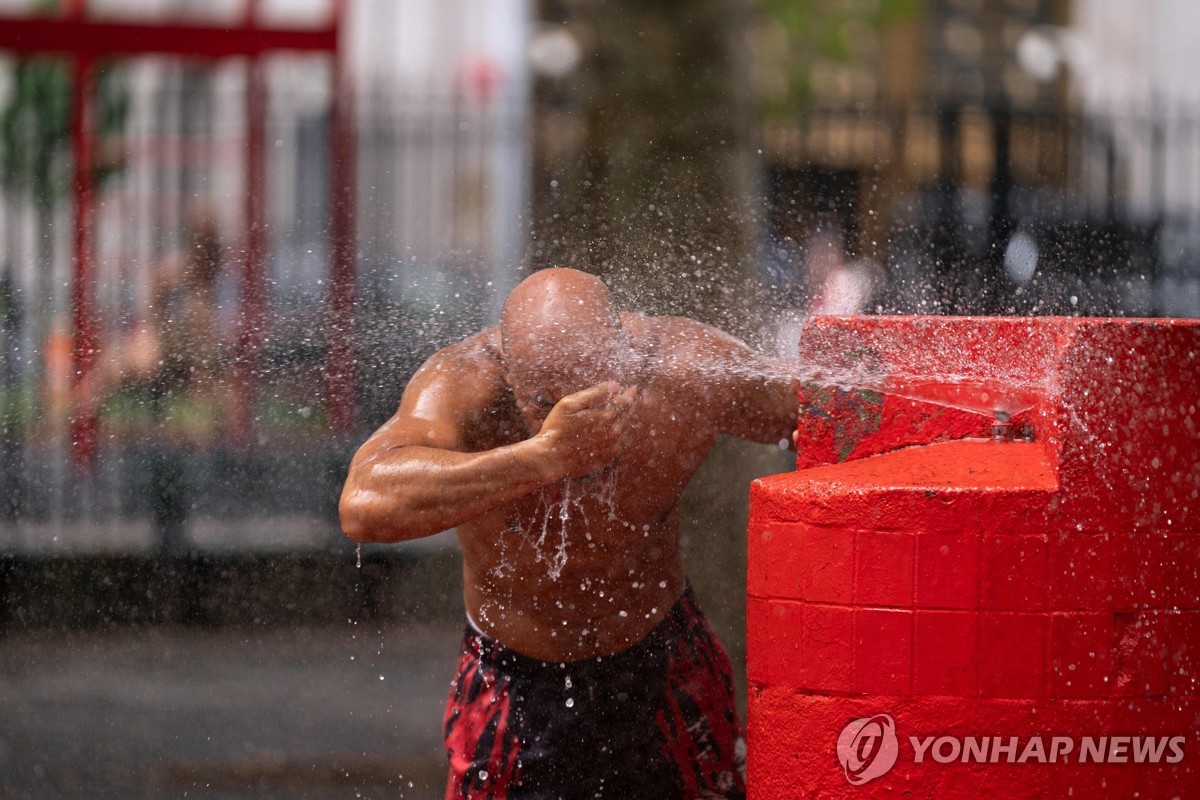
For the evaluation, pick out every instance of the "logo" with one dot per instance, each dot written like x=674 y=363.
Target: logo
x=867 y=748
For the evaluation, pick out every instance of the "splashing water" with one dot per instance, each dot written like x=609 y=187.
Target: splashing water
x=552 y=543
x=963 y=392
x=1003 y=377
x=559 y=512
x=1005 y=391
x=985 y=384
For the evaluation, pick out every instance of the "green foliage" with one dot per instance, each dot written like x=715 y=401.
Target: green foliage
x=35 y=125
x=291 y=416
x=132 y=410
x=18 y=407
x=813 y=32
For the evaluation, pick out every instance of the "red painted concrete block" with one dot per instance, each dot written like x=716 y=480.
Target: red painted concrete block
x=1139 y=569
x=827 y=643
x=758 y=564
x=792 y=736
x=883 y=651
x=1183 y=649
x=1188 y=640
x=846 y=425
x=1042 y=588
x=1170 y=781
x=1081 y=655
x=800 y=561
x=1182 y=578
x=884 y=569
x=773 y=631
x=1127 y=424
x=1012 y=654
x=1080 y=573
x=944 y=654
x=933 y=489
x=1013 y=573
x=827 y=572
x=927 y=379
x=776 y=559
x=1140 y=654
x=947 y=565
x=1156 y=570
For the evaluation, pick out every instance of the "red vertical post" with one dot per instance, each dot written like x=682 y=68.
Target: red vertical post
x=83 y=313
x=340 y=331
x=254 y=288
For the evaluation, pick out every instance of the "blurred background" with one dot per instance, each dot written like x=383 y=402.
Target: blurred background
x=230 y=230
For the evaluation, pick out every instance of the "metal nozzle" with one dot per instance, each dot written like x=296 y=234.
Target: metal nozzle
x=1002 y=430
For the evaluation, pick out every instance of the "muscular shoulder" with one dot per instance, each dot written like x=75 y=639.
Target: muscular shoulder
x=477 y=355
x=465 y=376
x=460 y=398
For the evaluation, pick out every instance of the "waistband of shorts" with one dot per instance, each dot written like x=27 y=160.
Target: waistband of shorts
x=473 y=625
x=489 y=650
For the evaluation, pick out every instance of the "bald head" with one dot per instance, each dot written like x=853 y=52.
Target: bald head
x=560 y=333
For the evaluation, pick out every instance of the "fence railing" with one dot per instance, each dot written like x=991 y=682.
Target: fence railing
x=440 y=188
x=1109 y=200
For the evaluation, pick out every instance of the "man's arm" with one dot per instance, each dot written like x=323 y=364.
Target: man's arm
x=750 y=395
x=414 y=476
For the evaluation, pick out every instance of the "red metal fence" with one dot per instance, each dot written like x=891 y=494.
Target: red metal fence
x=86 y=43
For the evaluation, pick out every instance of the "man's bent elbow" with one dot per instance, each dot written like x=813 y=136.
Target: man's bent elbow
x=352 y=522
x=365 y=519
x=361 y=523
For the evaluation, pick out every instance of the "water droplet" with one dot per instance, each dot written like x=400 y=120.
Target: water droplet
x=570 y=702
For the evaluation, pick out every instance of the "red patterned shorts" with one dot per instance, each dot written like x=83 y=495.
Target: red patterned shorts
x=654 y=721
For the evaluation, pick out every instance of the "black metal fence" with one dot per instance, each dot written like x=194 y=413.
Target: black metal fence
x=987 y=209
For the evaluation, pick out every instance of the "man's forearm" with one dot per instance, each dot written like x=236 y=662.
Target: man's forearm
x=409 y=492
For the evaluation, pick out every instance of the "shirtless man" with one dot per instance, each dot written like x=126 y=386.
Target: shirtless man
x=558 y=445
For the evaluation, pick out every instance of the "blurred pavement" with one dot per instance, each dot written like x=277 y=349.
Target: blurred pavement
x=349 y=710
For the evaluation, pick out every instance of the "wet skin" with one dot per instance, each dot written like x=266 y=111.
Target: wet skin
x=473 y=448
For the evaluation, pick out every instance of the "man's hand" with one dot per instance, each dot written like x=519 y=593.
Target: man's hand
x=583 y=432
